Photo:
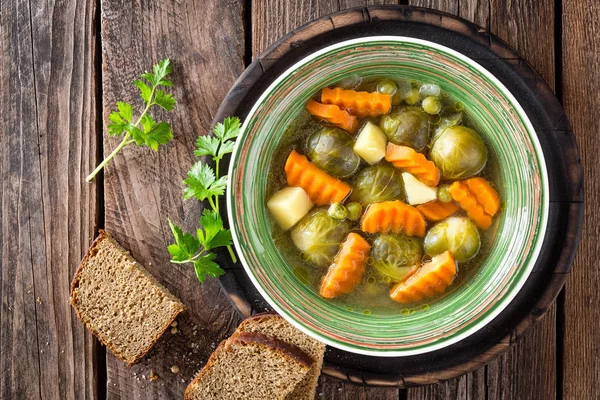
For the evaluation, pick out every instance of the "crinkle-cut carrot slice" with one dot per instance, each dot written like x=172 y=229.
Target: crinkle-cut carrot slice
x=333 y=114
x=347 y=269
x=467 y=201
x=437 y=210
x=321 y=187
x=431 y=279
x=362 y=104
x=393 y=216
x=485 y=194
x=408 y=160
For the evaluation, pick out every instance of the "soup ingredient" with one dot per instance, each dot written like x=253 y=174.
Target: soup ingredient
x=318 y=236
x=289 y=205
x=457 y=235
x=377 y=183
x=431 y=105
x=432 y=278
x=370 y=143
x=393 y=216
x=413 y=98
x=387 y=86
x=408 y=160
x=430 y=89
x=396 y=256
x=458 y=152
x=468 y=202
x=485 y=194
x=331 y=150
x=437 y=210
x=448 y=117
x=347 y=269
x=321 y=187
x=354 y=211
x=144 y=131
x=337 y=211
x=444 y=194
x=362 y=104
x=333 y=114
x=204 y=183
x=407 y=126
x=416 y=191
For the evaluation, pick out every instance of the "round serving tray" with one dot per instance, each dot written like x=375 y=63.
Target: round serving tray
x=560 y=151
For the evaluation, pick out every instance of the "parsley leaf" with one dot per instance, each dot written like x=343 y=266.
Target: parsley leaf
x=202 y=184
x=144 y=131
x=185 y=245
x=207 y=146
x=205 y=266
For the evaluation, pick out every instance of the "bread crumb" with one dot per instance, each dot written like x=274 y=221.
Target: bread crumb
x=39 y=300
x=174 y=330
x=174 y=324
x=152 y=376
x=175 y=369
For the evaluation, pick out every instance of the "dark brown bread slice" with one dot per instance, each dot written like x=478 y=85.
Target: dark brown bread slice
x=119 y=301
x=274 y=325
x=250 y=366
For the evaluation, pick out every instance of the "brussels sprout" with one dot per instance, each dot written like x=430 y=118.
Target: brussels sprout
x=318 y=236
x=396 y=256
x=456 y=234
x=354 y=211
x=331 y=149
x=377 y=183
x=408 y=126
x=458 y=152
x=448 y=117
x=337 y=211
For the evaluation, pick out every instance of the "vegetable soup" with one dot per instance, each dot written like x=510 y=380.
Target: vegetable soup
x=382 y=196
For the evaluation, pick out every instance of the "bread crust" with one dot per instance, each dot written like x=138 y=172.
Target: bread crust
x=251 y=338
x=103 y=235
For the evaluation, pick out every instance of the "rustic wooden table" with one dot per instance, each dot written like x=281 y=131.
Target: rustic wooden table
x=65 y=63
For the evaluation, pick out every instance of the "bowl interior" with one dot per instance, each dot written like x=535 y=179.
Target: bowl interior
x=519 y=231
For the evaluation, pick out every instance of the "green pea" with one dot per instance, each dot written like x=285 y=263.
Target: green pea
x=387 y=86
x=337 y=211
x=413 y=98
x=354 y=211
x=431 y=105
x=443 y=194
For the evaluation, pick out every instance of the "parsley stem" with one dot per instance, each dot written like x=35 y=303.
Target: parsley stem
x=231 y=254
x=123 y=143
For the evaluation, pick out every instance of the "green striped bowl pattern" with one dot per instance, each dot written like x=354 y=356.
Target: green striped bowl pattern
x=519 y=232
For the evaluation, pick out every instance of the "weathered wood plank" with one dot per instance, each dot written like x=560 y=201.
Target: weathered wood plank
x=530 y=366
x=581 y=74
x=142 y=188
x=272 y=19
x=47 y=211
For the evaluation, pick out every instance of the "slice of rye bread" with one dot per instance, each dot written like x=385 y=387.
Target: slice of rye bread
x=250 y=366
x=120 y=302
x=274 y=325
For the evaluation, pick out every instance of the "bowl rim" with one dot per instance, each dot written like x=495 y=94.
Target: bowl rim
x=530 y=262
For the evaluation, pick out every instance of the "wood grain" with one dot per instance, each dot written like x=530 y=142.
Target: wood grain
x=47 y=211
x=143 y=188
x=580 y=78
x=528 y=369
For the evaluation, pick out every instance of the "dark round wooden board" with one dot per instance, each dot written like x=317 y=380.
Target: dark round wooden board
x=560 y=151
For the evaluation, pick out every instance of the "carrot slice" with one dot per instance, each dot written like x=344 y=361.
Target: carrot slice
x=347 y=268
x=362 y=104
x=393 y=216
x=437 y=210
x=408 y=160
x=333 y=114
x=468 y=202
x=485 y=194
x=321 y=187
x=431 y=278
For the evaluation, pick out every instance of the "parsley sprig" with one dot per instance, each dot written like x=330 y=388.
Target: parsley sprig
x=144 y=131
x=204 y=183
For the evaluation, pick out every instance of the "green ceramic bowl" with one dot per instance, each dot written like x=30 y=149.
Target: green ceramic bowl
x=519 y=232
